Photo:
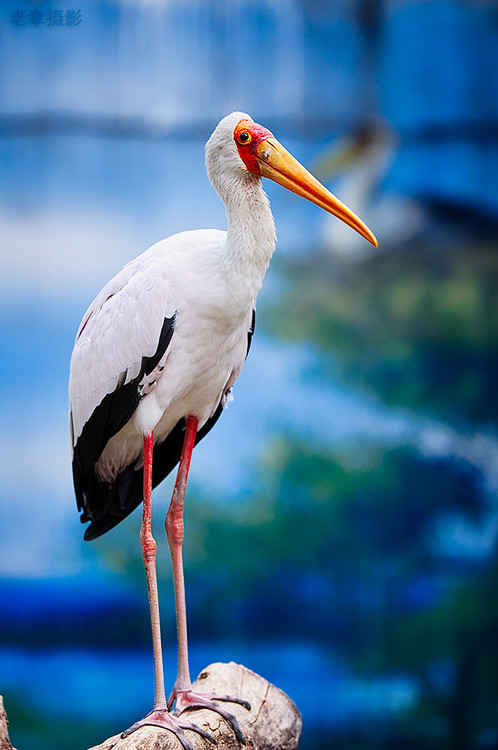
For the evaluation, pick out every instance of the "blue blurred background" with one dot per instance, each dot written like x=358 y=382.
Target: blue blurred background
x=342 y=517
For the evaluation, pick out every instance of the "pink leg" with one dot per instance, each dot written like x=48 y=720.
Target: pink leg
x=159 y=716
x=148 y=546
x=182 y=691
x=174 y=533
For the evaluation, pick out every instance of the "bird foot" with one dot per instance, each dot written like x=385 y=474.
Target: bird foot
x=191 y=699
x=160 y=717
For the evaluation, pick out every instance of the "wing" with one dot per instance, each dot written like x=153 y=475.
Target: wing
x=123 y=337
x=120 y=499
x=117 y=341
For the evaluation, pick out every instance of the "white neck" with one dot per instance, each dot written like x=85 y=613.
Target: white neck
x=250 y=241
x=250 y=230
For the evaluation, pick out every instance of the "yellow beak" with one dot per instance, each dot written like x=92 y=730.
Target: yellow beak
x=279 y=165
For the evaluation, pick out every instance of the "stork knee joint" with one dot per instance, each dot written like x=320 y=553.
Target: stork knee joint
x=174 y=525
x=148 y=545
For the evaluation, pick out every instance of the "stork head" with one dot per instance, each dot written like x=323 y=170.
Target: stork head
x=239 y=147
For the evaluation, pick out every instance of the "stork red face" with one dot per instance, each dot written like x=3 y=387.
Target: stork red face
x=262 y=154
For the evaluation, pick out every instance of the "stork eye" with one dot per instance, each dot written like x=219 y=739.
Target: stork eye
x=244 y=138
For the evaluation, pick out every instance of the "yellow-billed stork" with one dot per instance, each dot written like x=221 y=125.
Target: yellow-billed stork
x=155 y=360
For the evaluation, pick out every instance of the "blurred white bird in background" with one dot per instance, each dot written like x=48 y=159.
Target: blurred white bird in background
x=356 y=166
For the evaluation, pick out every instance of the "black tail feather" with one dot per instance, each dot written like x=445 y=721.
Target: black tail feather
x=105 y=505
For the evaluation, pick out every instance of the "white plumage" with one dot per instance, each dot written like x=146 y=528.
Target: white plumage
x=179 y=277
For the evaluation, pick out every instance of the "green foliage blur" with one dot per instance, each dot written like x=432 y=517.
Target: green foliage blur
x=418 y=326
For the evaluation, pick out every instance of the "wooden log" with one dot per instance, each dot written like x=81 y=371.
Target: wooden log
x=273 y=723
x=5 y=743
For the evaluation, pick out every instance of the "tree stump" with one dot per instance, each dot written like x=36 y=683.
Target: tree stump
x=273 y=723
x=4 y=729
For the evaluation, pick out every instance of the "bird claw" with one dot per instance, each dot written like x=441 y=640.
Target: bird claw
x=190 y=699
x=162 y=718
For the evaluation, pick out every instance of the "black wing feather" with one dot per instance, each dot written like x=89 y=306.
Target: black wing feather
x=106 y=505
x=125 y=494
x=110 y=416
x=117 y=408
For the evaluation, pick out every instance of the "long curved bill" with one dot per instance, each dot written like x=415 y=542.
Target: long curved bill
x=276 y=163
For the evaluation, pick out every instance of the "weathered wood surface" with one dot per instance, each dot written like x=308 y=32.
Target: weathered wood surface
x=4 y=729
x=273 y=723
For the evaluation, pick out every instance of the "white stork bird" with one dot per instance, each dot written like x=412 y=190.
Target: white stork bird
x=155 y=359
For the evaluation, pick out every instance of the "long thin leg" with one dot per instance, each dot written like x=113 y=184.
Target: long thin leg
x=159 y=715
x=174 y=533
x=182 y=691
x=148 y=545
